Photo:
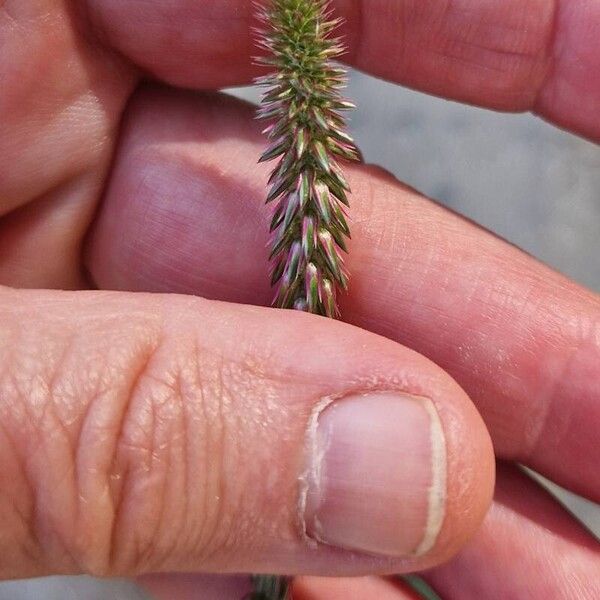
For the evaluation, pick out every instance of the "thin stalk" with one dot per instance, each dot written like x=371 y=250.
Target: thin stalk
x=303 y=106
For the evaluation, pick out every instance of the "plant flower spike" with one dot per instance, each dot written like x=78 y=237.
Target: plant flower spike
x=306 y=130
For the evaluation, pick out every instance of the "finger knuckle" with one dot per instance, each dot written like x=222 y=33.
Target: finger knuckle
x=126 y=447
x=163 y=461
x=166 y=448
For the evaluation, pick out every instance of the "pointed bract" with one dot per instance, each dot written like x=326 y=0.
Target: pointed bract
x=303 y=107
x=306 y=131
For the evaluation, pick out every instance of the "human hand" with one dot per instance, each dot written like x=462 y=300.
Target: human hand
x=152 y=433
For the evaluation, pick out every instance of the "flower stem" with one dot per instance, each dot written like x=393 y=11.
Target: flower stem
x=303 y=107
x=270 y=587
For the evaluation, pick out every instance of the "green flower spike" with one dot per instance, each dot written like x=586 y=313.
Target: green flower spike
x=303 y=106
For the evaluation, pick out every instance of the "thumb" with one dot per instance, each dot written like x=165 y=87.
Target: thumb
x=145 y=433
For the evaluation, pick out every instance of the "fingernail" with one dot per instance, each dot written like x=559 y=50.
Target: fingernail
x=375 y=480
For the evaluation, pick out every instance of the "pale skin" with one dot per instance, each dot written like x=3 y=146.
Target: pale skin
x=112 y=403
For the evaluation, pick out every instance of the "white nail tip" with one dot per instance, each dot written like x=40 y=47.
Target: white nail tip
x=437 y=490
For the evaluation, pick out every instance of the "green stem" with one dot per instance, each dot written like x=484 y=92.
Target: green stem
x=270 y=587
x=306 y=130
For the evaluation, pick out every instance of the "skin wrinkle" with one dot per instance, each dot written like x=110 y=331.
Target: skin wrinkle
x=202 y=407
x=31 y=544
x=537 y=421
x=531 y=303
x=181 y=423
x=173 y=399
x=478 y=60
x=354 y=39
x=166 y=409
x=551 y=52
x=228 y=533
x=147 y=541
x=156 y=469
x=259 y=387
x=485 y=49
x=548 y=403
x=512 y=39
x=44 y=531
x=215 y=440
x=586 y=333
x=454 y=35
x=50 y=417
x=125 y=472
x=184 y=419
x=549 y=393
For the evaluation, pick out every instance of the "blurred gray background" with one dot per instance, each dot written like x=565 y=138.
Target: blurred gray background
x=529 y=182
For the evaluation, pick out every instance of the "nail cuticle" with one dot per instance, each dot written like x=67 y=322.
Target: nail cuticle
x=311 y=474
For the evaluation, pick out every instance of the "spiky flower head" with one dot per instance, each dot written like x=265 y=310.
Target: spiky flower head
x=306 y=130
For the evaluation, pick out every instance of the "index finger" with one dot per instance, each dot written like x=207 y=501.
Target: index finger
x=513 y=55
